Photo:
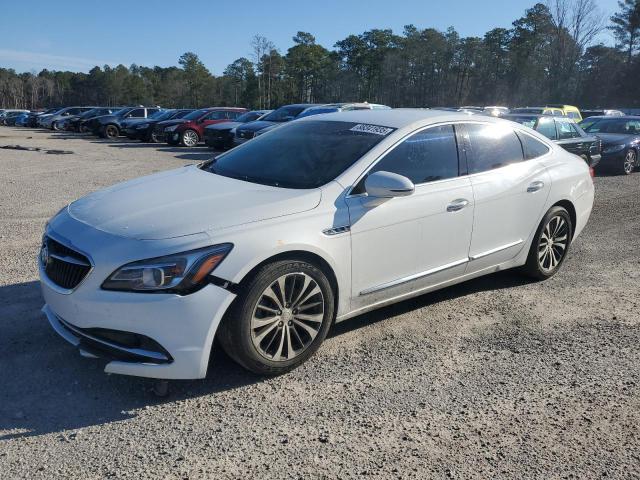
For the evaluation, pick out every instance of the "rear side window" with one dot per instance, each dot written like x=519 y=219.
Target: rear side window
x=136 y=113
x=547 y=127
x=217 y=115
x=532 y=147
x=233 y=114
x=574 y=115
x=492 y=146
x=567 y=130
x=426 y=156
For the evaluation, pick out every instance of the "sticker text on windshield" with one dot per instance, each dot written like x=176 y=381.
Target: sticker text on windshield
x=375 y=129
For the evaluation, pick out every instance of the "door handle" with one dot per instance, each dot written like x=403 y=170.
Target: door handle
x=457 y=205
x=535 y=186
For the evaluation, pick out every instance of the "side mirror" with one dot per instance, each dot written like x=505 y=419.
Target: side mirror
x=382 y=185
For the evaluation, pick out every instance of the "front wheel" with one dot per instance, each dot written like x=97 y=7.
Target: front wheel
x=280 y=318
x=55 y=126
x=189 y=138
x=111 y=131
x=550 y=244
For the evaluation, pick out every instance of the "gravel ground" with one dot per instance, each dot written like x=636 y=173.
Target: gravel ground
x=495 y=378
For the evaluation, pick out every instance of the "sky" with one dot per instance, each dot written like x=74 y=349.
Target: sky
x=77 y=35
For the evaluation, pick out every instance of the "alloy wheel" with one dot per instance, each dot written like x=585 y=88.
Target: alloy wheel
x=190 y=138
x=111 y=131
x=553 y=243
x=287 y=317
x=629 y=162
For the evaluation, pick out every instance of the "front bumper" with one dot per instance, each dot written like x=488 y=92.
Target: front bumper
x=180 y=327
x=613 y=159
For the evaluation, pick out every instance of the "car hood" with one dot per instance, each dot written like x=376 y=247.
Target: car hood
x=617 y=138
x=224 y=126
x=186 y=201
x=256 y=125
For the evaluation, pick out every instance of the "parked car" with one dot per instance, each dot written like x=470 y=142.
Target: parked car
x=341 y=107
x=265 y=246
x=621 y=141
x=9 y=118
x=220 y=136
x=496 y=111
x=189 y=130
x=144 y=130
x=21 y=119
x=556 y=112
x=32 y=120
x=109 y=126
x=54 y=120
x=569 y=111
x=10 y=113
x=600 y=113
x=279 y=116
x=565 y=132
x=74 y=122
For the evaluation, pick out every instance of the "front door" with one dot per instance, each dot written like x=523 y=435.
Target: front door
x=409 y=243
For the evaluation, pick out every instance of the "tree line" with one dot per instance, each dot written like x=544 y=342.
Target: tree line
x=549 y=55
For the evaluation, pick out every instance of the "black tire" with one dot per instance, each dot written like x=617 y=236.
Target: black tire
x=535 y=266
x=111 y=131
x=235 y=333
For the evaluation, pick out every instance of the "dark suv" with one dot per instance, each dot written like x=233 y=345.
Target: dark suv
x=188 y=131
x=109 y=126
x=73 y=123
x=565 y=132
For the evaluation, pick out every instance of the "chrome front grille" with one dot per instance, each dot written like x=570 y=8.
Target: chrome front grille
x=63 y=266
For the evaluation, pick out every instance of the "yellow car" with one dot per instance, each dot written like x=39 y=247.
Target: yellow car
x=556 y=112
x=569 y=110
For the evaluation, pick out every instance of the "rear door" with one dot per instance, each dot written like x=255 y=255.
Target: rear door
x=509 y=193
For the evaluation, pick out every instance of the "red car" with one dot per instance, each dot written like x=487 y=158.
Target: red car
x=189 y=130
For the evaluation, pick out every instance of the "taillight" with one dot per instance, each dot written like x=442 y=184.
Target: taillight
x=592 y=172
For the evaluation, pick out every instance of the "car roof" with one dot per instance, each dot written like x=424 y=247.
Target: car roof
x=616 y=117
x=396 y=118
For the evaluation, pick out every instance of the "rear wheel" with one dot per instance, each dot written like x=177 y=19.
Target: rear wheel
x=629 y=163
x=55 y=126
x=189 y=138
x=111 y=131
x=550 y=244
x=280 y=318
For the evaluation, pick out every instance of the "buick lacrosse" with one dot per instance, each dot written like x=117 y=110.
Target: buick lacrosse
x=263 y=248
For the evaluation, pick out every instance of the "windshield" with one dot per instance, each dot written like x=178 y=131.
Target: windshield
x=285 y=114
x=196 y=114
x=249 y=117
x=161 y=115
x=122 y=113
x=528 y=110
x=318 y=111
x=301 y=155
x=525 y=120
x=613 y=125
x=181 y=113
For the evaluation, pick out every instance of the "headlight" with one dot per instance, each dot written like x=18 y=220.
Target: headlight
x=144 y=125
x=171 y=128
x=614 y=149
x=180 y=273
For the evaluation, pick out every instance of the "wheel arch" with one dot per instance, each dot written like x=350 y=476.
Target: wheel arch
x=569 y=207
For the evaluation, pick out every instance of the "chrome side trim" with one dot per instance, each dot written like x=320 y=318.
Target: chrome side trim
x=411 y=278
x=495 y=250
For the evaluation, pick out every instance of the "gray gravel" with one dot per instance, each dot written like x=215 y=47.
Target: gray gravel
x=495 y=378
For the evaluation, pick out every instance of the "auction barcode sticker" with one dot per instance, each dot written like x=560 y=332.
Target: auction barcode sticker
x=375 y=129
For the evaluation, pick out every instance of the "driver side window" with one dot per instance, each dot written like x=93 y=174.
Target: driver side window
x=426 y=156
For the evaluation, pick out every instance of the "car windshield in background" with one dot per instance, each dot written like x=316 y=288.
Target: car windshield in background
x=161 y=115
x=525 y=120
x=537 y=111
x=284 y=114
x=121 y=113
x=248 y=117
x=196 y=114
x=318 y=111
x=301 y=155
x=613 y=125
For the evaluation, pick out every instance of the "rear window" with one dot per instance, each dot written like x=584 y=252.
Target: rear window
x=299 y=155
x=532 y=147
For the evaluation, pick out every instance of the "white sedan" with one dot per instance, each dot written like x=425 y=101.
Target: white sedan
x=318 y=221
